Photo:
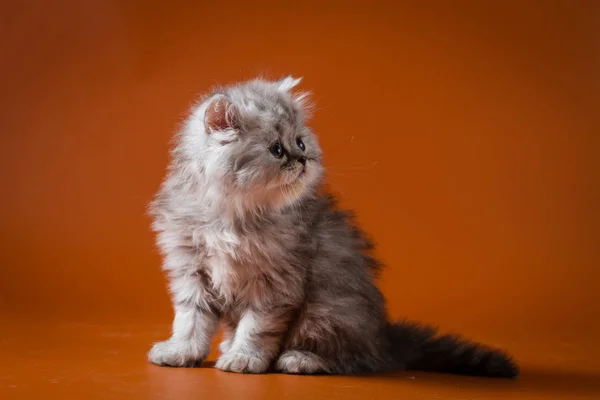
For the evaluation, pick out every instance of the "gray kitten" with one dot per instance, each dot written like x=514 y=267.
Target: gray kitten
x=250 y=241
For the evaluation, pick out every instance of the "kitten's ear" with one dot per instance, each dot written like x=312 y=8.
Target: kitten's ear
x=304 y=103
x=220 y=115
x=301 y=99
x=288 y=83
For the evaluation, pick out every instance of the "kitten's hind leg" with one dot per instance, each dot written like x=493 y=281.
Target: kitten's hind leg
x=227 y=339
x=301 y=362
x=225 y=345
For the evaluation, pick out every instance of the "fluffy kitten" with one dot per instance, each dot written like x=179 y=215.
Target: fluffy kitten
x=250 y=241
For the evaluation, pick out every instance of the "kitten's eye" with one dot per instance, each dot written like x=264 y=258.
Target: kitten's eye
x=276 y=150
x=300 y=144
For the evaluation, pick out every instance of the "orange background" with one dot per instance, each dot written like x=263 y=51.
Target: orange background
x=464 y=134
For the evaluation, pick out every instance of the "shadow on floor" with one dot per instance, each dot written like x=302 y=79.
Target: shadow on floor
x=532 y=379
x=538 y=380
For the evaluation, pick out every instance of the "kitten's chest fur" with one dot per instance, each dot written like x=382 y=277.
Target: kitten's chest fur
x=248 y=266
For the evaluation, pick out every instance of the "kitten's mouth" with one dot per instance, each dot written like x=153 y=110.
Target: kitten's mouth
x=294 y=187
x=298 y=179
x=297 y=182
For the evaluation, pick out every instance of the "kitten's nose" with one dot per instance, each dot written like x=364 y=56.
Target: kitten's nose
x=302 y=160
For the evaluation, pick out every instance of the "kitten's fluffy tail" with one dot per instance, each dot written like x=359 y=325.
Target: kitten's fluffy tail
x=418 y=347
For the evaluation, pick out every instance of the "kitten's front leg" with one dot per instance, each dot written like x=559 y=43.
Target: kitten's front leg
x=256 y=342
x=190 y=342
x=194 y=325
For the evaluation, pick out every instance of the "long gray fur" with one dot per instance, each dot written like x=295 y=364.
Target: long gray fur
x=252 y=242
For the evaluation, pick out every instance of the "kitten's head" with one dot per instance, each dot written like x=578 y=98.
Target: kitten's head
x=250 y=141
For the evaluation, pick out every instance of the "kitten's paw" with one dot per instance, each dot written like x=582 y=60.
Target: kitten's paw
x=242 y=363
x=175 y=354
x=300 y=362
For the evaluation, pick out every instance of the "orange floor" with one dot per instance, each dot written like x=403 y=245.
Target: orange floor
x=59 y=360
x=465 y=135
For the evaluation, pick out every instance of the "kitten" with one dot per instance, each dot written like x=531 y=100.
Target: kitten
x=251 y=242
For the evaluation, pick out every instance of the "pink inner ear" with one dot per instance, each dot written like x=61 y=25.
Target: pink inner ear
x=216 y=118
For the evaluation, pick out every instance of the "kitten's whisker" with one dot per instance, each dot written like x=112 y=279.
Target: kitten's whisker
x=351 y=174
x=363 y=167
x=303 y=208
x=338 y=188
